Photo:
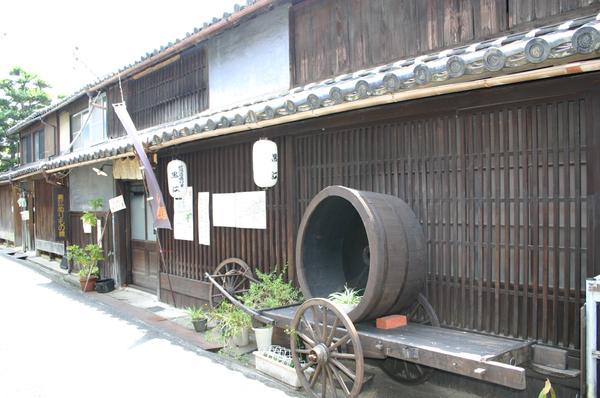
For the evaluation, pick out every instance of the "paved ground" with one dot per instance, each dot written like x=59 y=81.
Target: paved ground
x=56 y=342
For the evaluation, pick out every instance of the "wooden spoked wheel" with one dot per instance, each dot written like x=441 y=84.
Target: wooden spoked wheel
x=234 y=275
x=409 y=372
x=326 y=350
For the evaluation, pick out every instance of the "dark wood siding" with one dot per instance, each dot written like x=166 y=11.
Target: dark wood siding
x=113 y=96
x=339 y=36
x=502 y=192
x=524 y=11
x=44 y=211
x=507 y=194
x=7 y=216
x=223 y=169
x=174 y=91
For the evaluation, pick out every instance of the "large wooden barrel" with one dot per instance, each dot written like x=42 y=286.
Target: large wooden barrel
x=365 y=240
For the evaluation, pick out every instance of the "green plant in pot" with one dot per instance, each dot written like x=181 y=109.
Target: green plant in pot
x=233 y=323
x=86 y=259
x=347 y=299
x=271 y=291
x=199 y=318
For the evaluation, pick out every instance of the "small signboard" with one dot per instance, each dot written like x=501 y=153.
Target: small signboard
x=61 y=228
x=203 y=218
x=116 y=204
x=25 y=215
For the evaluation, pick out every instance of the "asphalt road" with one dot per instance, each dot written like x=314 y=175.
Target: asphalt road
x=56 y=342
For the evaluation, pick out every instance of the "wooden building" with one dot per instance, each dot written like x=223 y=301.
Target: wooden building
x=481 y=115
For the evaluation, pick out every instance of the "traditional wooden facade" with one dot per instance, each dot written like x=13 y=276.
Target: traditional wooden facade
x=7 y=214
x=504 y=180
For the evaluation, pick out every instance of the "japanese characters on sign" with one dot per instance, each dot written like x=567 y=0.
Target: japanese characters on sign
x=61 y=231
x=177 y=178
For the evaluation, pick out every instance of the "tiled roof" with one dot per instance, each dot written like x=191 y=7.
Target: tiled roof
x=189 y=36
x=576 y=39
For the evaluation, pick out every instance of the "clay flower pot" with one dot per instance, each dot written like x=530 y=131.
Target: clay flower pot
x=91 y=284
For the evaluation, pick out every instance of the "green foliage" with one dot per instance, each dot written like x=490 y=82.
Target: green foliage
x=232 y=353
x=548 y=389
x=86 y=258
x=21 y=94
x=230 y=319
x=348 y=296
x=96 y=204
x=88 y=217
x=196 y=313
x=270 y=292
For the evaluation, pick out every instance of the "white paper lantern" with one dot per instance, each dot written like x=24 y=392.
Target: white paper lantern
x=177 y=178
x=264 y=163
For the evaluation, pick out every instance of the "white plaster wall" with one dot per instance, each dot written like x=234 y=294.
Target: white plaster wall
x=250 y=60
x=65 y=132
x=85 y=184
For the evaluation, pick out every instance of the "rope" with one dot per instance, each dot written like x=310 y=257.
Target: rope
x=121 y=89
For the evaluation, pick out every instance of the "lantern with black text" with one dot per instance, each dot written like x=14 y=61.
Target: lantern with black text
x=177 y=178
x=264 y=163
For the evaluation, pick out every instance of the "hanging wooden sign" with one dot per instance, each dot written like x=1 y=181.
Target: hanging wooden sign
x=61 y=229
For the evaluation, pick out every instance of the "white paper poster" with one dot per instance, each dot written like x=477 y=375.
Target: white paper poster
x=203 y=218
x=116 y=204
x=240 y=210
x=183 y=216
x=251 y=210
x=223 y=205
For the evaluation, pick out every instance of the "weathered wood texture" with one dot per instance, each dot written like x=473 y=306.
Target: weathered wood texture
x=340 y=36
x=44 y=211
x=502 y=180
x=176 y=90
x=223 y=169
x=502 y=194
x=523 y=11
x=7 y=215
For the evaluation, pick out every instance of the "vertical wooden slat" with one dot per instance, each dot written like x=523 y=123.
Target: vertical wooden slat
x=546 y=220
x=566 y=194
x=535 y=214
x=525 y=135
x=555 y=221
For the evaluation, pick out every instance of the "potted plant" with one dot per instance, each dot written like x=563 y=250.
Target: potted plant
x=88 y=218
x=347 y=299
x=199 y=318
x=233 y=323
x=87 y=259
x=271 y=291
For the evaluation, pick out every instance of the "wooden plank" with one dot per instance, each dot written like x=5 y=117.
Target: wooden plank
x=188 y=287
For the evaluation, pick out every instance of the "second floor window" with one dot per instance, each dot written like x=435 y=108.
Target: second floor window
x=38 y=145
x=26 y=149
x=94 y=131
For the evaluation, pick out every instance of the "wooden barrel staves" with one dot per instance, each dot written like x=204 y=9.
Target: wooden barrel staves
x=365 y=240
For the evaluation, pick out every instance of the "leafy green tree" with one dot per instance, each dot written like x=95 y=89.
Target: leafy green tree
x=21 y=94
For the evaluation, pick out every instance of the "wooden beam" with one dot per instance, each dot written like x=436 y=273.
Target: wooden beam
x=185 y=286
x=521 y=77
x=156 y=67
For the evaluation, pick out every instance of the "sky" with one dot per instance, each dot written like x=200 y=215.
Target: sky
x=70 y=43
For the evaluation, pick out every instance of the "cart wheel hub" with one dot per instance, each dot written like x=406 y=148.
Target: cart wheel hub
x=319 y=354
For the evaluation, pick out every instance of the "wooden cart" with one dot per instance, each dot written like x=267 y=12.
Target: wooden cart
x=323 y=337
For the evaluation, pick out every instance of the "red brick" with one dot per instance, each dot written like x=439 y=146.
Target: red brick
x=391 y=321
